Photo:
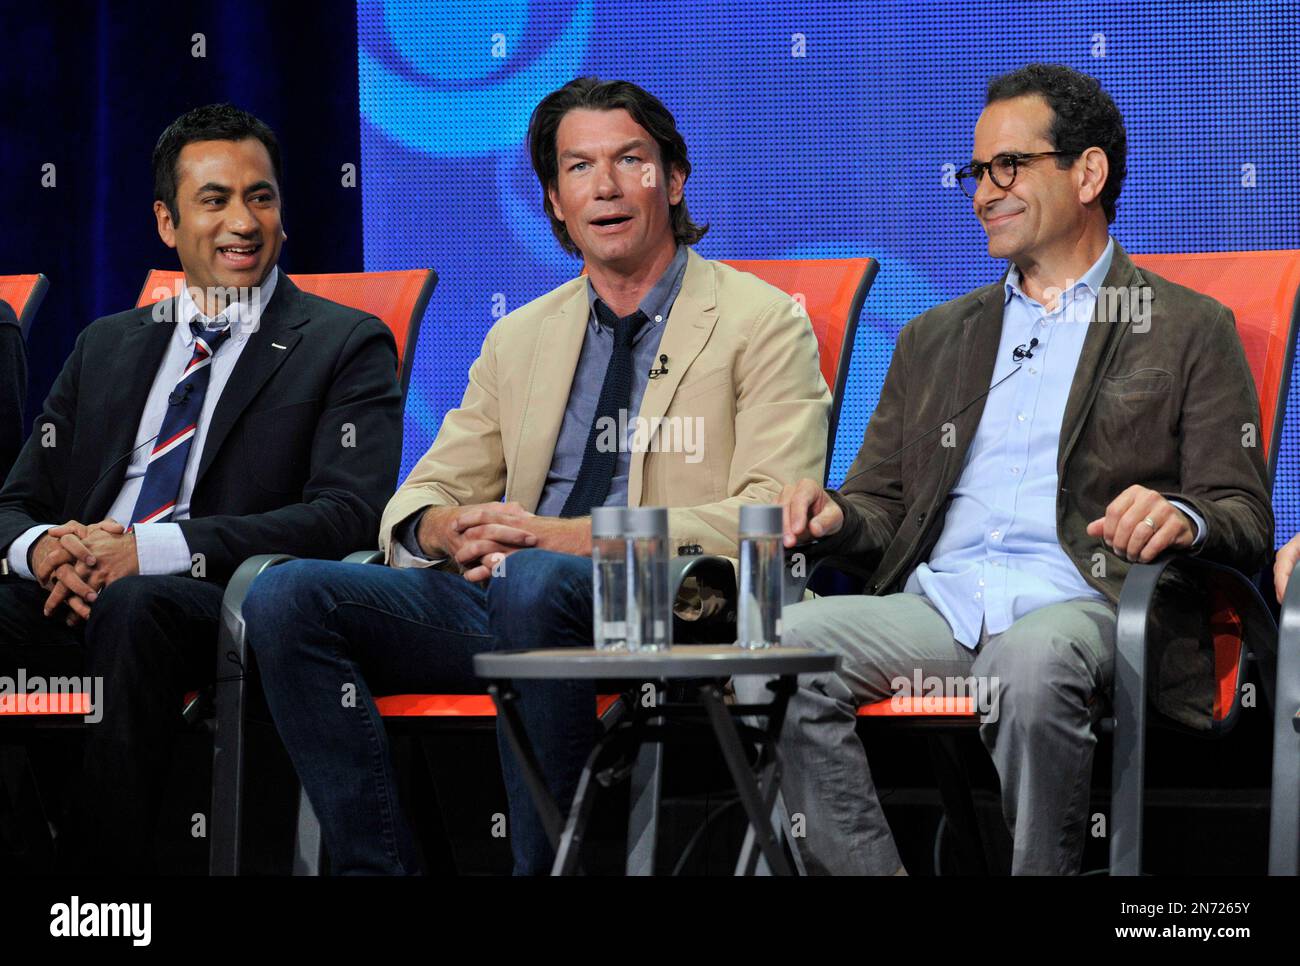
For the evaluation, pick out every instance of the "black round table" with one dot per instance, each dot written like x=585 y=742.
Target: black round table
x=635 y=733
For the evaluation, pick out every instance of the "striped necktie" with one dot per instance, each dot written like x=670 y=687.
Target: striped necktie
x=171 y=450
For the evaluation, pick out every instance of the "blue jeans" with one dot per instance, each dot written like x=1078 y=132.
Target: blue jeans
x=330 y=636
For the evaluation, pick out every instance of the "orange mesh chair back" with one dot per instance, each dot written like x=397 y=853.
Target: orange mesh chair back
x=1263 y=291
x=24 y=293
x=832 y=291
x=397 y=298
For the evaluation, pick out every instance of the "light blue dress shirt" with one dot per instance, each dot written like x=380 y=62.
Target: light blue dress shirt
x=998 y=556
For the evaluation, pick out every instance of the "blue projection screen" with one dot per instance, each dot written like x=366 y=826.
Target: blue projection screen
x=822 y=129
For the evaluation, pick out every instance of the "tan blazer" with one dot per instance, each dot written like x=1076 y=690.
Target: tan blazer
x=743 y=368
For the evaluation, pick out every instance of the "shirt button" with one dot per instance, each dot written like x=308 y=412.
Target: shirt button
x=978 y=595
x=997 y=563
x=1015 y=469
x=1020 y=416
x=995 y=534
x=1033 y=372
x=981 y=581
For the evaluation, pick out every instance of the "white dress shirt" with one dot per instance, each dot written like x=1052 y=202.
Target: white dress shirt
x=161 y=548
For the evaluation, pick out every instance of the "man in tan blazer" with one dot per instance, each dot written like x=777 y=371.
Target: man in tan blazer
x=658 y=379
x=500 y=442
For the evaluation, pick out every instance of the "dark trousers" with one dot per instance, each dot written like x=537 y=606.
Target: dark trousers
x=330 y=636
x=149 y=640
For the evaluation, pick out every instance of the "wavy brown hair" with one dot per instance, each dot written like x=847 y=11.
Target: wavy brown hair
x=594 y=94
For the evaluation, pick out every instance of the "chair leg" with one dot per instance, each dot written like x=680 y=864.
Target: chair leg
x=230 y=698
x=971 y=850
x=643 y=814
x=1127 y=798
x=25 y=829
x=308 y=846
x=1129 y=702
x=1284 y=822
x=434 y=831
x=1128 y=771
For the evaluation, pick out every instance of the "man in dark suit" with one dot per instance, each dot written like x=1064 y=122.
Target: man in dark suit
x=242 y=416
x=1034 y=438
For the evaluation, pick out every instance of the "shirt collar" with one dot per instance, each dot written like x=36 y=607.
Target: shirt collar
x=242 y=315
x=1091 y=279
x=656 y=300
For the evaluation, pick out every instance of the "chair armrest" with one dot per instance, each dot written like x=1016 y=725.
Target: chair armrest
x=799 y=570
x=231 y=634
x=1284 y=819
x=1136 y=603
x=365 y=557
x=1132 y=657
x=711 y=571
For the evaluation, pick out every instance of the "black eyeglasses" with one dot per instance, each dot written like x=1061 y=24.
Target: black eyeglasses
x=1002 y=169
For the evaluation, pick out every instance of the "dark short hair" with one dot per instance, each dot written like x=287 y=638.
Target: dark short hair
x=1084 y=116
x=594 y=94
x=215 y=122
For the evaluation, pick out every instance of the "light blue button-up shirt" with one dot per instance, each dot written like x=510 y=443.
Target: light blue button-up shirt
x=998 y=556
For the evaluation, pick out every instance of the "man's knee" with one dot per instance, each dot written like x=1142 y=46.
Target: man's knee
x=126 y=601
x=534 y=584
x=825 y=622
x=802 y=625
x=282 y=586
x=118 y=632
x=287 y=596
x=1040 y=670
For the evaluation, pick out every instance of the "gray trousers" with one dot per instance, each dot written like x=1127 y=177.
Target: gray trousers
x=1044 y=681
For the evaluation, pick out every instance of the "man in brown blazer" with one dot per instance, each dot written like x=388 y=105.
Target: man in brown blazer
x=712 y=374
x=1033 y=439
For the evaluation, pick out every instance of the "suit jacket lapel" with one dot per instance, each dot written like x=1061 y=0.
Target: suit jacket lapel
x=981 y=335
x=555 y=360
x=690 y=323
x=1099 y=346
x=132 y=372
x=257 y=363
